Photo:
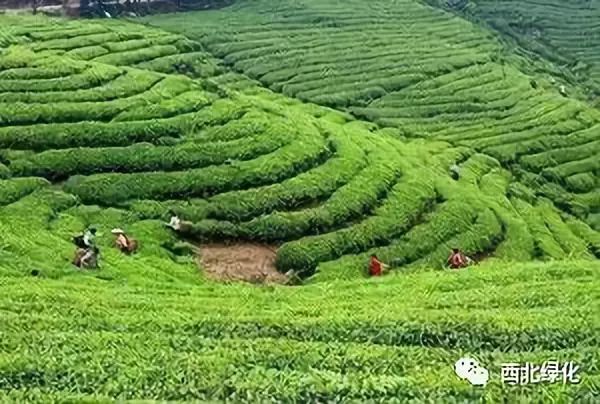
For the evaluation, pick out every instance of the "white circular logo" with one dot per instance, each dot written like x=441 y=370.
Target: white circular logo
x=469 y=369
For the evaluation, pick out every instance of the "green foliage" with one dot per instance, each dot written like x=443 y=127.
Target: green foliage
x=313 y=185
x=60 y=164
x=242 y=162
x=349 y=202
x=87 y=52
x=94 y=76
x=275 y=343
x=137 y=56
x=403 y=207
x=545 y=245
x=109 y=189
x=195 y=64
x=66 y=44
x=12 y=190
x=553 y=157
x=148 y=105
x=481 y=238
x=48 y=70
x=582 y=182
x=465 y=87
x=265 y=167
x=89 y=134
x=542 y=29
x=591 y=237
x=4 y=171
x=97 y=134
x=131 y=83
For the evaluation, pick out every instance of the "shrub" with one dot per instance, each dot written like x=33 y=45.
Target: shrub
x=247 y=124
x=312 y=185
x=87 y=52
x=60 y=164
x=590 y=164
x=131 y=57
x=517 y=242
x=136 y=44
x=26 y=114
x=43 y=70
x=17 y=57
x=98 y=134
x=92 y=77
x=65 y=32
x=349 y=202
x=479 y=240
x=11 y=190
x=110 y=189
x=545 y=246
x=582 y=182
x=450 y=219
x=476 y=167
x=131 y=83
x=195 y=64
x=150 y=209
x=4 y=172
x=586 y=233
x=447 y=220
x=589 y=199
x=548 y=158
x=189 y=101
x=518 y=190
x=573 y=246
x=67 y=44
x=89 y=134
x=405 y=204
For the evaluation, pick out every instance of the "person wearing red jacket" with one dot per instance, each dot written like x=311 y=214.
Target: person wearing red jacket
x=376 y=267
x=458 y=260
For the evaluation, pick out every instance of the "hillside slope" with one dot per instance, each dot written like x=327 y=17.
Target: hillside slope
x=565 y=33
x=98 y=127
x=251 y=165
x=419 y=69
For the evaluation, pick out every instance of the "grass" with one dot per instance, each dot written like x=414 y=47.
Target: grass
x=348 y=153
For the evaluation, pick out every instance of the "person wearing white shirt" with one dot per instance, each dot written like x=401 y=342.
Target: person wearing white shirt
x=175 y=222
x=89 y=237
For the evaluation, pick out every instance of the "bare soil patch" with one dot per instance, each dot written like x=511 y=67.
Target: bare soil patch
x=247 y=262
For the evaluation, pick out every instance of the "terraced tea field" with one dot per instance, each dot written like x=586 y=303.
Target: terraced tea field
x=391 y=340
x=113 y=124
x=245 y=166
x=565 y=33
x=421 y=70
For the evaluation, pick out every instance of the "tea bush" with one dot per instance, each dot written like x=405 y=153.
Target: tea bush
x=94 y=76
x=100 y=127
x=61 y=164
x=269 y=168
x=131 y=83
x=12 y=190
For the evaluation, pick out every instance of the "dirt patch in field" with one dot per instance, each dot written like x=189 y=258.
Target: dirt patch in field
x=246 y=262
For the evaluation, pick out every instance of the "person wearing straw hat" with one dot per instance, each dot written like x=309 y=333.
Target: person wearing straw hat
x=122 y=241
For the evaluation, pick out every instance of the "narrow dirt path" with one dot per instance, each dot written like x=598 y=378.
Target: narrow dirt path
x=247 y=262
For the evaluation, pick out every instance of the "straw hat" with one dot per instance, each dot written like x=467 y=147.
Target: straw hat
x=117 y=231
